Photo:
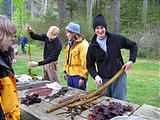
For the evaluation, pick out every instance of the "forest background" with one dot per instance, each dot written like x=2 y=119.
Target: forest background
x=139 y=20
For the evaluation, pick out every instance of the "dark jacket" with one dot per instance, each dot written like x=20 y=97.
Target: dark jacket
x=24 y=40
x=109 y=63
x=9 y=94
x=52 y=48
x=2 y=116
x=15 y=41
x=5 y=64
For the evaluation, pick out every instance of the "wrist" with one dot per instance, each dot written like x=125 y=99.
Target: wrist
x=37 y=64
x=96 y=76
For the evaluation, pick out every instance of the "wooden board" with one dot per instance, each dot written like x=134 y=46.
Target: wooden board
x=37 y=111
x=148 y=112
x=32 y=84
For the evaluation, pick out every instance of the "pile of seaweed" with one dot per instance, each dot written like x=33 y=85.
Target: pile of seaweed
x=62 y=91
x=106 y=112
x=30 y=99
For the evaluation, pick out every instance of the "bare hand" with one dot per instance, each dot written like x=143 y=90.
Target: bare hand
x=81 y=82
x=28 y=28
x=65 y=76
x=14 y=61
x=127 y=65
x=32 y=64
x=98 y=80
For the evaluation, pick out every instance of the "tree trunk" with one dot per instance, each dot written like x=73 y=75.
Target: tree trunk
x=157 y=3
x=79 y=6
x=32 y=8
x=62 y=17
x=96 y=4
x=144 y=13
x=71 y=10
x=61 y=11
x=115 y=15
x=12 y=10
x=117 y=30
x=89 y=4
x=45 y=7
x=100 y=3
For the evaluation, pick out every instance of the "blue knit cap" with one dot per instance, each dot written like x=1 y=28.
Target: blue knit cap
x=73 y=27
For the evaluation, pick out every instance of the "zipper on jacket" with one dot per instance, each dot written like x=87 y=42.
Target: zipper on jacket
x=119 y=62
x=70 y=48
x=68 y=55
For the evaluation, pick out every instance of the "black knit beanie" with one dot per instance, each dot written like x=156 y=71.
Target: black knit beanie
x=99 y=20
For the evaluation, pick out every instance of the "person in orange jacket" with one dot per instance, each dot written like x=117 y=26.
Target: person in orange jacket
x=9 y=104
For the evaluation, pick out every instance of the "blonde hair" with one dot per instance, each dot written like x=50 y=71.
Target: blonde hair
x=7 y=32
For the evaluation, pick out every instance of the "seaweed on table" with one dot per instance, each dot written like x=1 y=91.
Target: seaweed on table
x=106 y=112
x=30 y=99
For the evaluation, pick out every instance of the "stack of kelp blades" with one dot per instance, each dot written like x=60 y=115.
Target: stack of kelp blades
x=85 y=105
x=106 y=112
x=71 y=103
x=30 y=99
x=62 y=91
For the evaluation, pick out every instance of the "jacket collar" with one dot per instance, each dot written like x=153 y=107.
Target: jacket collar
x=5 y=55
x=55 y=41
x=94 y=42
x=78 y=40
x=72 y=43
x=4 y=65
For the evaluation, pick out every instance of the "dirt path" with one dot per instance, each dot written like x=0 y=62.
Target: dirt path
x=144 y=72
x=25 y=56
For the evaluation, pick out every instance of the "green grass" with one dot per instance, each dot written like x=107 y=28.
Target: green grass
x=21 y=67
x=142 y=88
x=36 y=48
x=146 y=66
x=142 y=64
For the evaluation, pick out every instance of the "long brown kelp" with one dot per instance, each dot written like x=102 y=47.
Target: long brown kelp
x=87 y=100
x=101 y=88
x=86 y=96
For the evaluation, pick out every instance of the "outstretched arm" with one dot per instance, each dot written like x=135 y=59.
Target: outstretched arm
x=40 y=37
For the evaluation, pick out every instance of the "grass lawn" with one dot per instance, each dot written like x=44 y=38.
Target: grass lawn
x=142 y=88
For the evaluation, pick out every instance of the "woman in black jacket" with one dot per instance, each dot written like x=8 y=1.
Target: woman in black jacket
x=105 y=51
x=9 y=104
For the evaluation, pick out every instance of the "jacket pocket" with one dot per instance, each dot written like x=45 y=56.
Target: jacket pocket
x=100 y=56
x=75 y=58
